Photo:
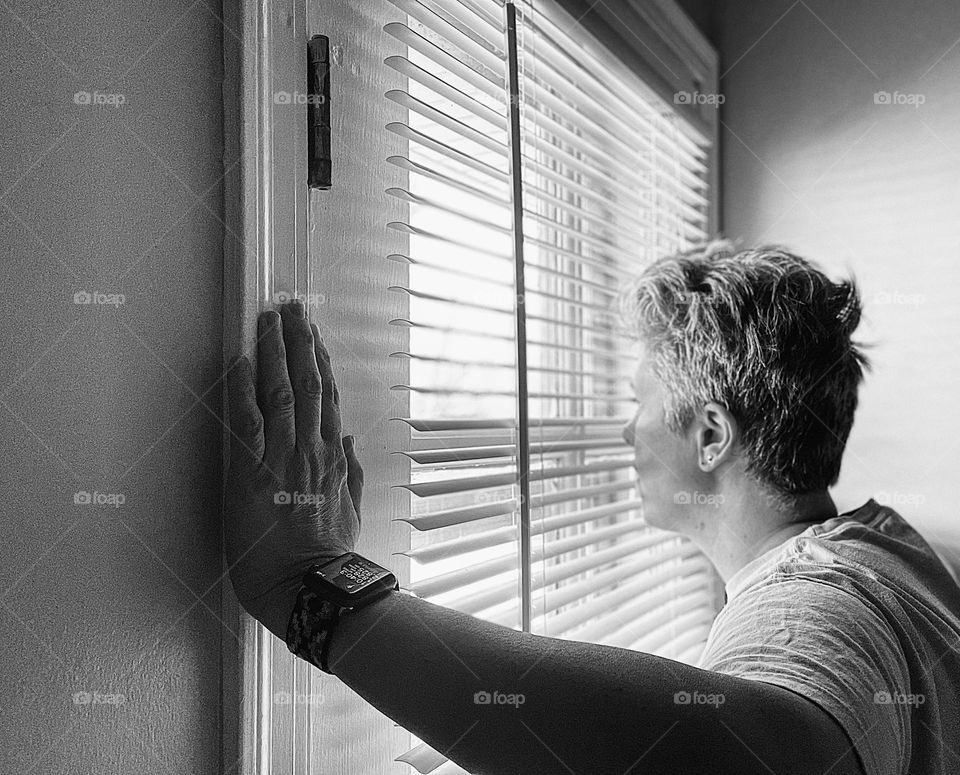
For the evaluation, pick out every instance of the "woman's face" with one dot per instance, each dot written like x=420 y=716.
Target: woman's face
x=668 y=474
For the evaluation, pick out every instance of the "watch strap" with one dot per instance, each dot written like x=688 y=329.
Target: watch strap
x=319 y=605
x=311 y=627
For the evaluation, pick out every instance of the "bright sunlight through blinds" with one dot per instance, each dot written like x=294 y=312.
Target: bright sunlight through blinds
x=610 y=178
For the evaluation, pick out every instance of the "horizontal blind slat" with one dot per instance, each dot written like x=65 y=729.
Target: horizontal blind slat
x=451 y=454
x=621 y=190
x=452 y=154
x=614 y=89
x=689 y=575
x=423 y=759
x=462 y=484
x=422 y=201
x=497 y=536
x=624 y=569
x=543 y=223
x=428 y=172
x=505 y=422
x=406 y=100
x=451 y=390
x=503 y=536
x=494 y=365
x=482 y=49
x=481 y=81
x=450 y=270
x=430 y=235
x=438 y=86
x=453 y=517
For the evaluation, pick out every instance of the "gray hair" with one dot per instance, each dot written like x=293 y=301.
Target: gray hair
x=766 y=334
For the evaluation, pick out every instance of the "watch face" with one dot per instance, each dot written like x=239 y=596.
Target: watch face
x=351 y=580
x=358 y=573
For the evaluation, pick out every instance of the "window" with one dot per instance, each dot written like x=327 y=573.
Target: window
x=515 y=261
x=479 y=274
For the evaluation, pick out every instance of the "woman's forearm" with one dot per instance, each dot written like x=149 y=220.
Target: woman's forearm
x=498 y=701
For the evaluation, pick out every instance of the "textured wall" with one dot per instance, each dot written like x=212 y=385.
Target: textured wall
x=813 y=160
x=121 y=196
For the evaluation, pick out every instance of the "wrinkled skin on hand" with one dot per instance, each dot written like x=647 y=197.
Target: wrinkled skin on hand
x=293 y=485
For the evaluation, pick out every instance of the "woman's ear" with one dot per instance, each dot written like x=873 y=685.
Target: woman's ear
x=716 y=436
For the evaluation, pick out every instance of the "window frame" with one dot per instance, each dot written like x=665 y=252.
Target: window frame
x=257 y=54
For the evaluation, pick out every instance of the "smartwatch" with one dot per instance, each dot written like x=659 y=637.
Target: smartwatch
x=347 y=582
x=350 y=581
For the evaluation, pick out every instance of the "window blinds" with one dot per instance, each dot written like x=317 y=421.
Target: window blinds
x=527 y=208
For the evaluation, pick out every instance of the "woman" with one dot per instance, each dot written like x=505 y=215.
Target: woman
x=837 y=648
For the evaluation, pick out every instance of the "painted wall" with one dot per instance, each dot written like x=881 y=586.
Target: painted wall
x=703 y=13
x=841 y=140
x=114 y=605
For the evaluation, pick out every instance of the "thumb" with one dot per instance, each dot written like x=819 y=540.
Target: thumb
x=354 y=474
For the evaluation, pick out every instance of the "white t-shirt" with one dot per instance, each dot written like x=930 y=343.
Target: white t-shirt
x=859 y=615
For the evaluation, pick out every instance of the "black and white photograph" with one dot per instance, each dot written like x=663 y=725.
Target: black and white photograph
x=480 y=387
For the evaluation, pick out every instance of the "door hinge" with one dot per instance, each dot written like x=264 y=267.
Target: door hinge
x=318 y=112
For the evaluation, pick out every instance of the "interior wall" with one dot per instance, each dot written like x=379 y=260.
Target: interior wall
x=110 y=648
x=841 y=140
x=703 y=13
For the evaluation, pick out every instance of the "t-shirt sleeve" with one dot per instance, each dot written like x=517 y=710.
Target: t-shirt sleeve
x=830 y=646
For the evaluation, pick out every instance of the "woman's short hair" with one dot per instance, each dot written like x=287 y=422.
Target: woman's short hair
x=766 y=334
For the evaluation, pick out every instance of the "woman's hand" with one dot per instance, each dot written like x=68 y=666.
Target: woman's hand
x=293 y=486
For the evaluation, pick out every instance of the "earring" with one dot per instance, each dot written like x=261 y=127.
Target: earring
x=709 y=458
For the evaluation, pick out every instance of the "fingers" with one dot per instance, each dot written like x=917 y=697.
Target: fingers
x=274 y=392
x=298 y=338
x=246 y=422
x=354 y=474
x=330 y=424
x=296 y=390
